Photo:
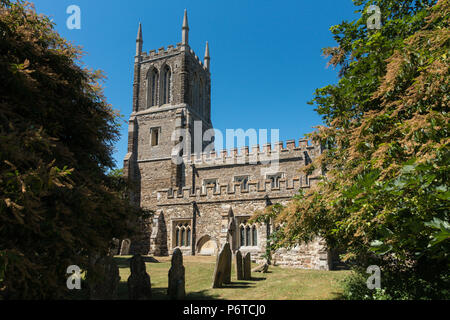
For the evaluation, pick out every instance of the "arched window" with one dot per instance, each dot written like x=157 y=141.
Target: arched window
x=183 y=239
x=200 y=98
x=167 y=85
x=254 y=236
x=195 y=93
x=152 y=88
x=177 y=239
x=182 y=234
x=242 y=236
x=248 y=234
x=188 y=237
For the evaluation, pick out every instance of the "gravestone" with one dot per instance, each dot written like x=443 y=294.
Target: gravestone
x=104 y=283
x=222 y=271
x=228 y=263
x=125 y=247
x=238 y=260
x=139 y=285
x=115 y=246
x=176 y=290
x=262 y=268
x=247 y=267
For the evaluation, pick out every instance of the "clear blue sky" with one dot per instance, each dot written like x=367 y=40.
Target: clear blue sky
x=266 y=57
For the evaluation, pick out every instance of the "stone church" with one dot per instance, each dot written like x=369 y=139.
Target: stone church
x=206 y=197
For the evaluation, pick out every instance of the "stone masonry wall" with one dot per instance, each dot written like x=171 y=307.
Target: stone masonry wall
x=214 y=205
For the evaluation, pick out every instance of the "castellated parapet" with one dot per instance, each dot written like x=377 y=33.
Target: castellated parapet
x=268 y=154
x=255 y=190
x=268 y=160
x=163 y=53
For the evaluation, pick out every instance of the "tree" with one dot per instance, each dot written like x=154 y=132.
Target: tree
x=57 y=204
x=385 y=198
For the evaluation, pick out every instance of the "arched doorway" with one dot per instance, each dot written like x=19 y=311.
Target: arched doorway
x=206 y=246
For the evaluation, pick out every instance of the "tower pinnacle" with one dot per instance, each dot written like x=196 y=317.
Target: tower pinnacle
x=185 y=29
x=207 y=57
x=139 y=41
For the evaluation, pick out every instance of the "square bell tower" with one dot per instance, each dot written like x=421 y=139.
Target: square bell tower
x=171 y=93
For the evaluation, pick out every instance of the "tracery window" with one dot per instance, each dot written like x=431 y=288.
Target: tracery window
x=152 y=88
x=167 y=86
x=248 y=234
x=183 y=234
x=201 y=98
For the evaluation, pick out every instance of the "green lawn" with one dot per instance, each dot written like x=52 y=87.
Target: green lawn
x=277 y=284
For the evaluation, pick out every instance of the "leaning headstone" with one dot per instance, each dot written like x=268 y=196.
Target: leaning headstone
x=222 y=271
x=176 y=290
x=247 y=267
x=238 y=260
x=228 y=263
x=262 y=268
x=139 y=285
x=103 y=285
x=125 y=247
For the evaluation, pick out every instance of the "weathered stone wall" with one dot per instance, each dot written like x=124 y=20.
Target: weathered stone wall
x=214 y=205
x=313 y=255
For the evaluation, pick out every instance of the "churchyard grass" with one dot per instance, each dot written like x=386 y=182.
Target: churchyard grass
x=278 y=284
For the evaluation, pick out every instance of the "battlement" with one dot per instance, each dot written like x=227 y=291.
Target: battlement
x=256 y=155
x=234 y=191
x=171 y=49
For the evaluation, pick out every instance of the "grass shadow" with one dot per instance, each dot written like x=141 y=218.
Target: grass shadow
x=122 y=262
x=149 y=259
x=257 y=279
x=160 y=294
x=202 y=295
x=237 y=285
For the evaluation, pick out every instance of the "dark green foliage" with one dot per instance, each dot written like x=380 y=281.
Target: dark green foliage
x=385 y=196
x=57 y=204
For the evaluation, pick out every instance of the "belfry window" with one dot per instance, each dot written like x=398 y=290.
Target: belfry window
x=167 y=84
x=201 y=99
x=196 y=93
x=152 y=88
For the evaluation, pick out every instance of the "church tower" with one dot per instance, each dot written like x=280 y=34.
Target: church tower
x=171 y=93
